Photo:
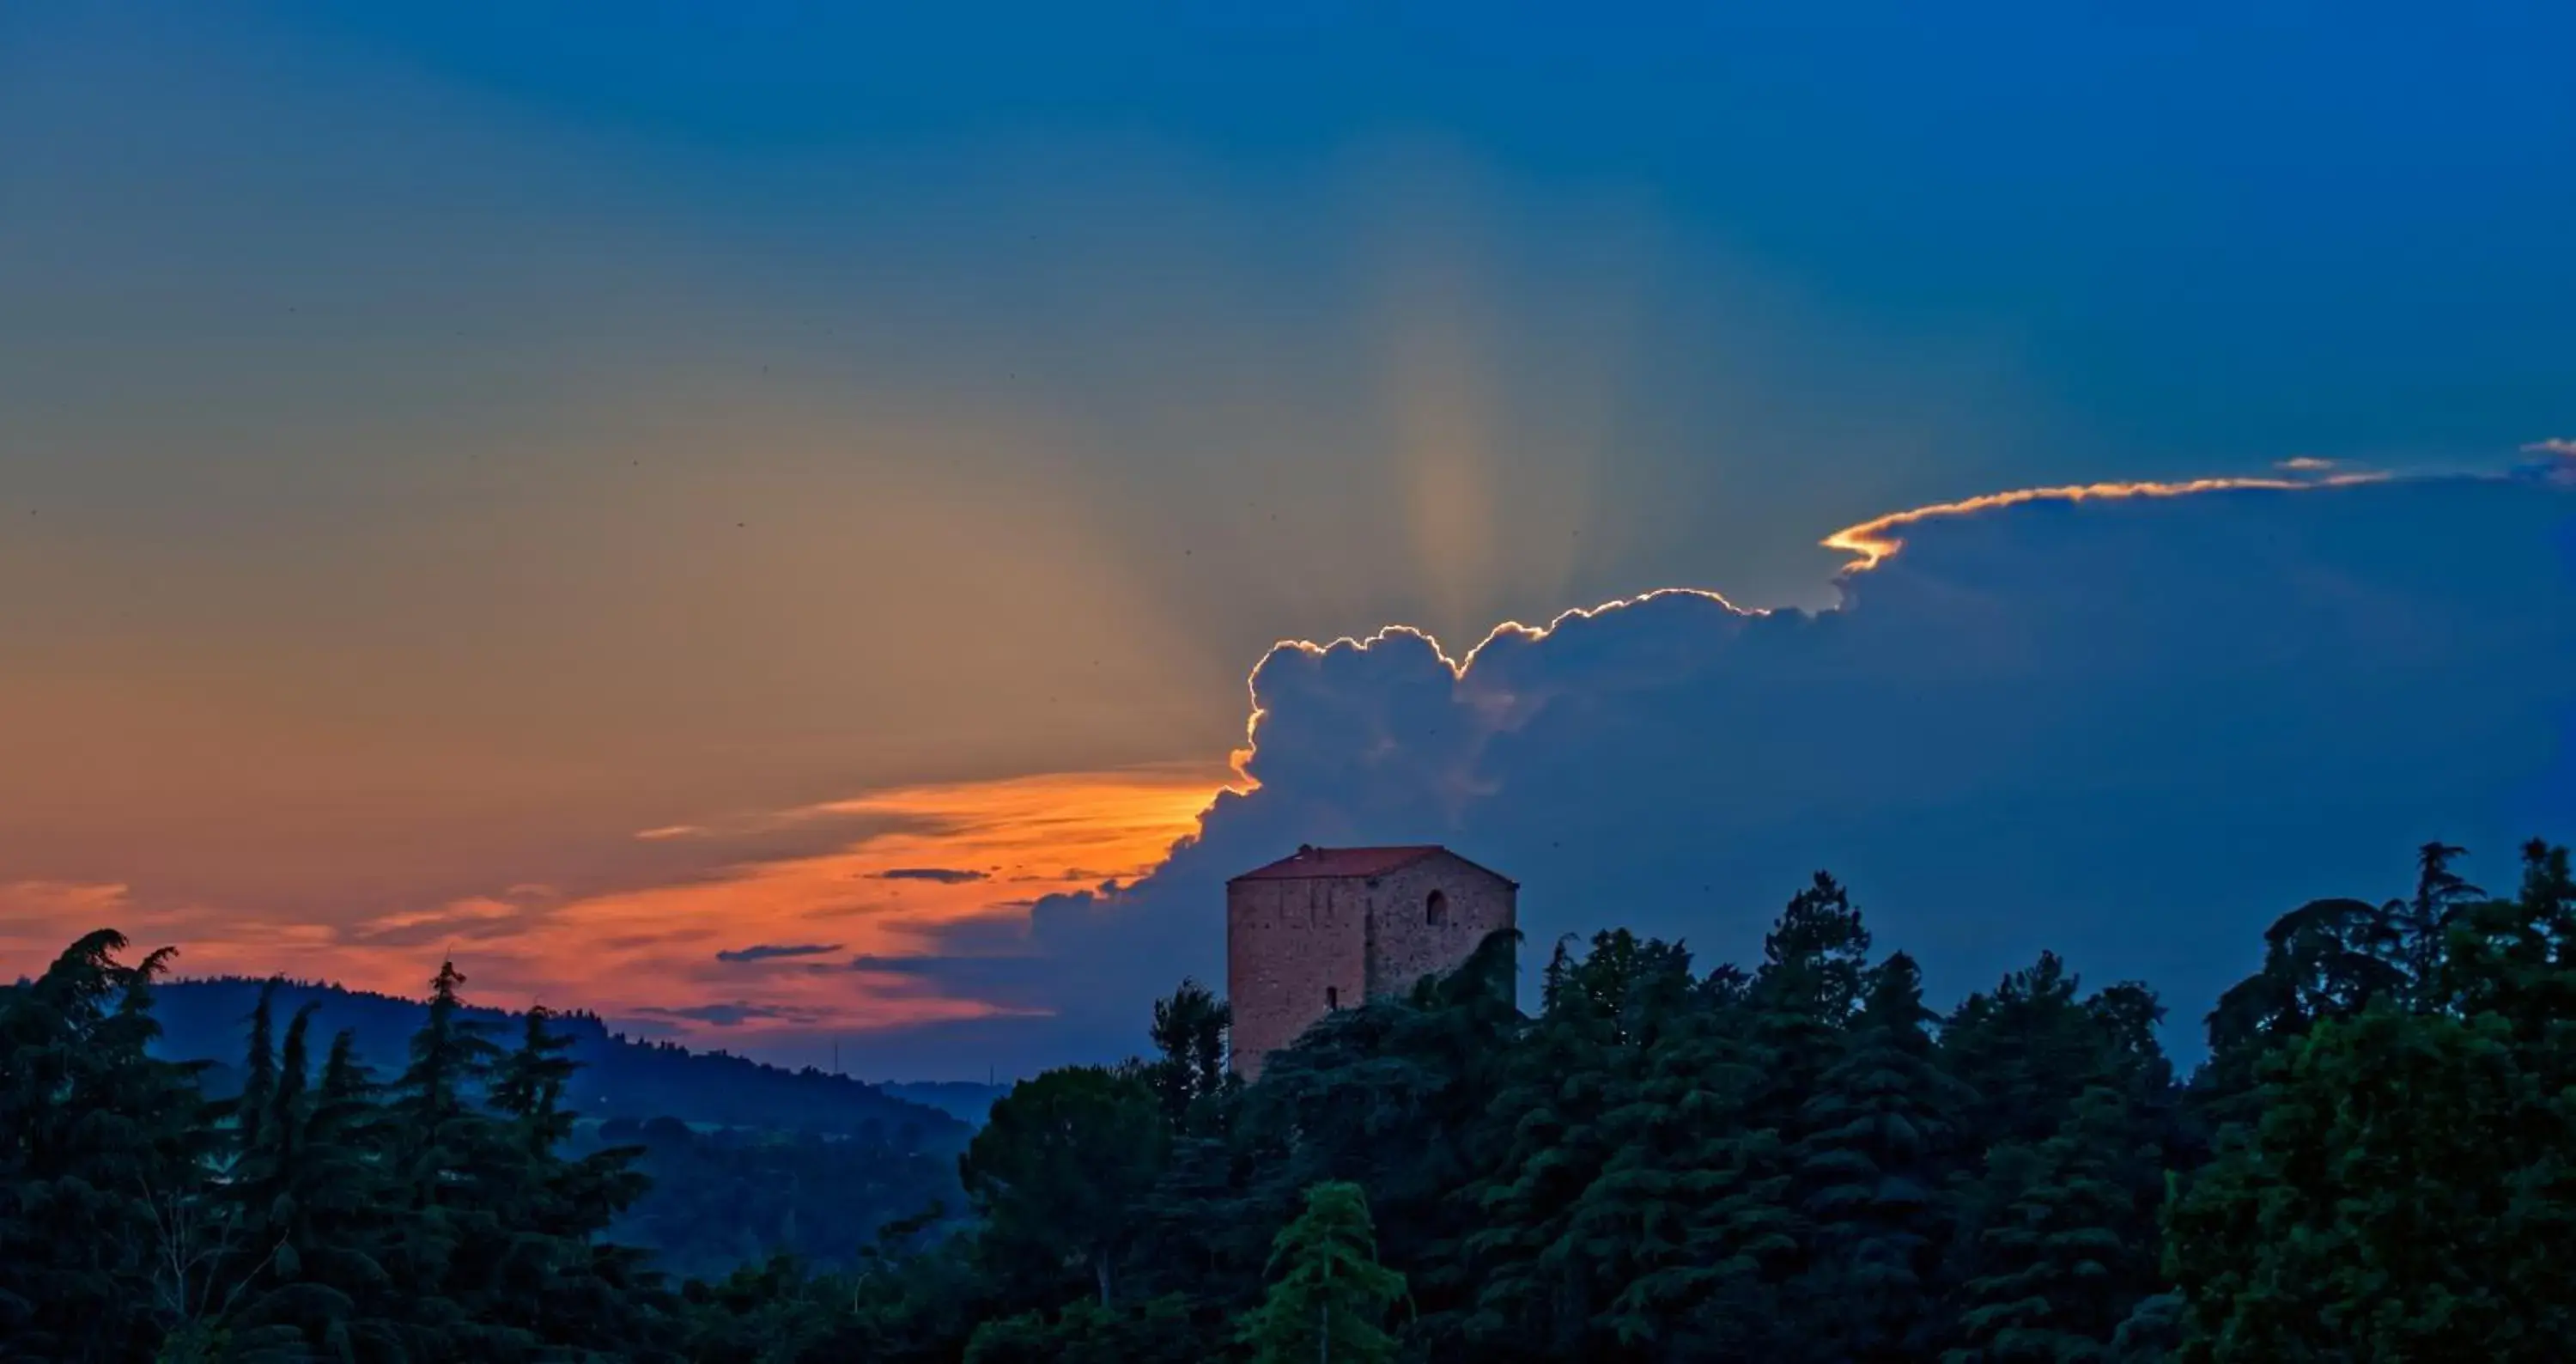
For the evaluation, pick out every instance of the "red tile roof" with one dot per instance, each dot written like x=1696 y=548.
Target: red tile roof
x=1309 y=862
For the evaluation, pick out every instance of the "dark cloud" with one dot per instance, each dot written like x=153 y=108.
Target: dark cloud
x=946 y=876
x=734 y=1014
x=1000 y=931
x=2133 y=731
x=905 y=966
x=772 y=952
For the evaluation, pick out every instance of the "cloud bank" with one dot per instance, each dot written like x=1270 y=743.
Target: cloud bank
x=2129 y=728
x=732 y=1015
x=776 y=952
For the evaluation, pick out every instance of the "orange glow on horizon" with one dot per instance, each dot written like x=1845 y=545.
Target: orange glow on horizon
x=795 y=925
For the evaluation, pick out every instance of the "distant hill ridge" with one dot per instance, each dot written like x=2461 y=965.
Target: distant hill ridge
x=205 y=1019
x=965 y=1100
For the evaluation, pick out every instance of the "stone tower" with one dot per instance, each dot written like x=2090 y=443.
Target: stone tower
x=1327 y=928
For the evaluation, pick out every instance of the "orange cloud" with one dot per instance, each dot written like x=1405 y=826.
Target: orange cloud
x=1511 y=628
x=40 y=918
x=668 y=950
x=1875 y=540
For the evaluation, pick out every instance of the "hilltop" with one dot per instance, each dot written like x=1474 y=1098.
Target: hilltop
x=620 y=1076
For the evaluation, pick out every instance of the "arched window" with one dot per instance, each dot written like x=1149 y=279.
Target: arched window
x=1435 y=911
x=1332 y=998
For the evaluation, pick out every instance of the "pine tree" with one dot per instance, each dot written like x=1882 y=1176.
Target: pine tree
x=2419 y=928
x=1543 y=1286
x=1815 y=959
x=1732 y=1113
x=109 y=1237
x=1694 y=1214
x=1814 y=979
x=1871 y=1173
x=259 y=1072
x=2062 y=1259
x=527 y=1217
x=1328 y=1296
x=1189 y=1033
x=321 y=1199
x=436 y=1137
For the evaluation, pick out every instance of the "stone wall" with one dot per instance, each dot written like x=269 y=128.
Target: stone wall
x=1296 y=948
x=1405 y=945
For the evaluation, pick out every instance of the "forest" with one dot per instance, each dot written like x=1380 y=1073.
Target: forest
x=619 y=1076
x=1796 y=1161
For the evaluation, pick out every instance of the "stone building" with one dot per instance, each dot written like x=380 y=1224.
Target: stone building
x=1327 y=928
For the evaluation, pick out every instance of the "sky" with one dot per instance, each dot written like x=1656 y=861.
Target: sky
x=757 y=518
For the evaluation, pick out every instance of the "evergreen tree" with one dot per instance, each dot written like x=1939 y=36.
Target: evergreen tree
x=318 y=1195
x=1871 y=1173
x=2418 y=928
x=534 y=1215
x=1784 y=1167
x=1543 y=1283
x=2063 y=1264
x=259 y=1071
x=1189 y=1033
x=1328 y=1296
x=2028 y=1051
x=108 y=1238
x=1717 y=1162
x=1815 y=960
x=1695 y=1213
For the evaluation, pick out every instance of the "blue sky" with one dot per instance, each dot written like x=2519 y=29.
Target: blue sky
x=2198 y=218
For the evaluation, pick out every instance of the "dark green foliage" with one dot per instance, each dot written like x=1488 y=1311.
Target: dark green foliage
x=1157 y=1331
x=1546 y=1269
x=310 y=1216
x=2064 y=1252
x=2408 y=1189
x=107 y=1241
x=1328 y=1295
x=1881 y=1131
x=1189 y=1035
x=1796 y=1166
x=1060 y=1172
x=727 y=1198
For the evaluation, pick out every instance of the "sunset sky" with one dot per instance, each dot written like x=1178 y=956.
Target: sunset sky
x=752 y=517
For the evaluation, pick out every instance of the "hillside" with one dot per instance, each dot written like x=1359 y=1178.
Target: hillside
x=964 y=1100
x=620 y=1077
